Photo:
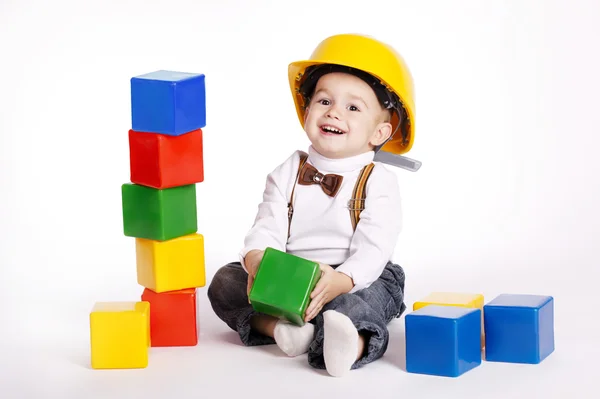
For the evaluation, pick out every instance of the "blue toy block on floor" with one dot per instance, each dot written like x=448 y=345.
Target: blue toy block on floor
x=168 y=102
x=443 y=340
x=519 y=328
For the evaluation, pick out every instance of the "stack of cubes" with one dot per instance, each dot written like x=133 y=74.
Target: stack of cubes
x=168 y=111
x=448 y=333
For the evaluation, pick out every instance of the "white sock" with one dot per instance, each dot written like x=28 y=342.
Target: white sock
x=340 y=343
x=292 y=339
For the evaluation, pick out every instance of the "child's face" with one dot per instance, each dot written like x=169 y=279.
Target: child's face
x=348 y=105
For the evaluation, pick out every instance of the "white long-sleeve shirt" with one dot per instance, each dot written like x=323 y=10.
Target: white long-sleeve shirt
x=321 y=228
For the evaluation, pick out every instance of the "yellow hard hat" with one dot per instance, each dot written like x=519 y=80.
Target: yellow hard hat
x=374 y=57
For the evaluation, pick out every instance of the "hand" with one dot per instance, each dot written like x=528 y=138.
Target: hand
x=252 y=261
x=330 y=285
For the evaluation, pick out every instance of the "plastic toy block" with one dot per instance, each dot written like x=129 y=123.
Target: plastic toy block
x=519 y=328
x=172 y=317
x=120 y=335
x=162 y=161
x=460 y=299
x=466 y=300
x=171 y=265
x=443 y=340
x=159 y=214
x=283 y=284
x=168 y=102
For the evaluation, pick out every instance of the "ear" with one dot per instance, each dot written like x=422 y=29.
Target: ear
x=306 y=114
x=381 y=134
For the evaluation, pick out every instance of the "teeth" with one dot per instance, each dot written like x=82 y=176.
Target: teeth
x=332 y=129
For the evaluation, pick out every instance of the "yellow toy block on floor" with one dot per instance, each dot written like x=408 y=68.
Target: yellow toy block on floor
x=120 y=335
x=171 y=265
x=465 y=300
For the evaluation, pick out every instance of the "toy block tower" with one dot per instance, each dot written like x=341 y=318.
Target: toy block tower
x=168 y=112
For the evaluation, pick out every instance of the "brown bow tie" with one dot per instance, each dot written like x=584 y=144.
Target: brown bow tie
x=329 y=183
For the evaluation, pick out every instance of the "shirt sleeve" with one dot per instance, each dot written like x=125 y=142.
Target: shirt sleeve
x=271 y=223
x=377 y=232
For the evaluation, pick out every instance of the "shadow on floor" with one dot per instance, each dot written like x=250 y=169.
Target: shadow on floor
x=79 y=359
x=231 y=337
x=396 y=353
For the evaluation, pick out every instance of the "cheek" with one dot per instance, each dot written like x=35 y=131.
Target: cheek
x=308 y=116
x=359 y=124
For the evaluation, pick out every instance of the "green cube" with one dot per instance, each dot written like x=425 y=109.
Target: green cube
x=283 y=285
x=159 y=214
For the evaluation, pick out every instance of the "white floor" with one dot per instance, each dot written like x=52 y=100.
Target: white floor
x=46 y=355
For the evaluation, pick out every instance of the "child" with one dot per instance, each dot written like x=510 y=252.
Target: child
x=335 y=206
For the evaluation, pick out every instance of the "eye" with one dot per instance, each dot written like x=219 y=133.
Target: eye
x=353 y=108
x=323 y=101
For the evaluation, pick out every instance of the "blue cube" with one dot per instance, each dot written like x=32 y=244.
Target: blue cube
x=519 y=328
x=443 y=340
x=167 y=102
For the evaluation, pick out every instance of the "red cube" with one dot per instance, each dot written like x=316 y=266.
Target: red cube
x=163 y=161
x=172 y=317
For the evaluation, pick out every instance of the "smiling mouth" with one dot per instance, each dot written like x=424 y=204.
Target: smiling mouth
x=331 y=130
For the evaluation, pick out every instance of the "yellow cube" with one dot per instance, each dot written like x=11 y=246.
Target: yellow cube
x=451 y=299
x=465 y=300
x=120 y=335
x=171 y=265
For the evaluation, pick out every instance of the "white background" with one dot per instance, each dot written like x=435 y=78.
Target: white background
x=506 y=201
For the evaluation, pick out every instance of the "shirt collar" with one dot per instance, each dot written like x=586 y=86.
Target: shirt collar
x=330 y=165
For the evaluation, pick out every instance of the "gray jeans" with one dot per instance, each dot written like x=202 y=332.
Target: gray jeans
x=370 y=309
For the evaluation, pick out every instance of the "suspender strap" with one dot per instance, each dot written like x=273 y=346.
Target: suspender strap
x=303 y=158
x=357 y=203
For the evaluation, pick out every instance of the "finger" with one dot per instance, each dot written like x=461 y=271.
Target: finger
x=312 y=314
x=318 y=288
x=314 y=302
x=255 y=268
x=318 y=305
x=325 y=268
x=249 y=287
x=315 y=311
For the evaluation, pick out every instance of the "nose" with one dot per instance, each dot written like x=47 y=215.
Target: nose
x=333 y=113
